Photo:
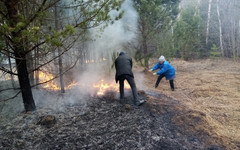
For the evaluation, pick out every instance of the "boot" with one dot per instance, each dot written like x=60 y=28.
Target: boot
x=139 y=102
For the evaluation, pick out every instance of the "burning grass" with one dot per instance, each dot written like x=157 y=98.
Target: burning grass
x=101 y=87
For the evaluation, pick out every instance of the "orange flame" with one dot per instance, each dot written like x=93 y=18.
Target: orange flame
x=103 y=87
x=44 y=77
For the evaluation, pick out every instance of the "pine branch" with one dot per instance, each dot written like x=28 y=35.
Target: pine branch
x=35 y=46
x=9 y=89
x=11 y=97
x=8 y=71
x=4 y=15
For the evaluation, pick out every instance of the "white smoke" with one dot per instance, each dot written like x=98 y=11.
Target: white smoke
x=118 y=34
x=111 y=39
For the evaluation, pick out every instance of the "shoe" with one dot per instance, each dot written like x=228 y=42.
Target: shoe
x=140 y=102
x=172 y=89
x=156 y=86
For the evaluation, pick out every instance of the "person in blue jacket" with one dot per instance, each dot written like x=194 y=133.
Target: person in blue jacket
x=166 y=70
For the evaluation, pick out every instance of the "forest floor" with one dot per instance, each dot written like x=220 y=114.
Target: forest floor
x=202 y=113
x=211 y=87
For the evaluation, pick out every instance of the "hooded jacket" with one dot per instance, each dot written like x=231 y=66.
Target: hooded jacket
x=166 y=68
x=123 y=65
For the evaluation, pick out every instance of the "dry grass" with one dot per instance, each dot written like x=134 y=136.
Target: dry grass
x=208 y=86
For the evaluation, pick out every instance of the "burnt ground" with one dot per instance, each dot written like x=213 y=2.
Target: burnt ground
x=104 y=123
x=202 y=113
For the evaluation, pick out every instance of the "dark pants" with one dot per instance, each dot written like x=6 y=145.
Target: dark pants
x=131 y=83
x=160 y=78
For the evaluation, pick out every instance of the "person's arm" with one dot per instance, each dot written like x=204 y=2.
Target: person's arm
x=156 y=67
x=163 y=69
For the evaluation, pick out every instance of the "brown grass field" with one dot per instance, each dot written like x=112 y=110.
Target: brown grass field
x=211 y=87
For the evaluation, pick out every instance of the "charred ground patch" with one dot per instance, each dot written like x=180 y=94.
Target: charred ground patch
x=104 y=123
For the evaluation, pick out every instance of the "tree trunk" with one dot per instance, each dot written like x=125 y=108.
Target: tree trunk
x=208 y=20
x=30 y=67
x=220 y=29
x=198 y=7
x=233 y=39
x=233 y=29
x=18 y=48
x=238 y=49
x=145 y=52
x=10 y=65
x=36 y=63
x=24 y=81
x=59 y=52
x=61 y=72
x=198 y=14
x=144 y=44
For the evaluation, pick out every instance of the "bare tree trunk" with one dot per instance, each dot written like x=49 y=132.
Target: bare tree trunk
x=145 y=52
x=233 y=39
x=220 y=29
x=30 y=67
x=36 y=73
x=208 y=20
x=198 y=14
x=144 y=44
x=59 y=52
x=21 y=64
x=61 y=72
x=233 y=29
x=24 y=79
x=198 y=7
x=238 y=49
x=10 y=65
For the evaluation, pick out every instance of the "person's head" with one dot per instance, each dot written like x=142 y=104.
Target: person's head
x=121 y=53
x=161 y=59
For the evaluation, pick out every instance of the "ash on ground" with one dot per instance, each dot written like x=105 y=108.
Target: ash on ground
x=104 y=123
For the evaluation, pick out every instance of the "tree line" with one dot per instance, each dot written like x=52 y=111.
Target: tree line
x=200 y=29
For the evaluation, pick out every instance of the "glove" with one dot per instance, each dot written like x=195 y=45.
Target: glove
x=154 y=73
x=150 y=70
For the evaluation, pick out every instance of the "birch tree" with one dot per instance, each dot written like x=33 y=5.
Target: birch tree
x=208 y=20
x=220 y=29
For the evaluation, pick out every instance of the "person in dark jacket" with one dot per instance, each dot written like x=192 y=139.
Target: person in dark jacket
x=166 y=70
x=123 y=65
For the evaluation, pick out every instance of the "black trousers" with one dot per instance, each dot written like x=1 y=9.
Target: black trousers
x=160 y=78
x=131 y=83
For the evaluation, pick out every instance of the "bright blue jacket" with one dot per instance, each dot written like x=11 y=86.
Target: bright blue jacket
x=165 y=69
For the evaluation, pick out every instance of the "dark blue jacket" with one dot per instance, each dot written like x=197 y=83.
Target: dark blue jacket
x=123 y=65
x=166 y=68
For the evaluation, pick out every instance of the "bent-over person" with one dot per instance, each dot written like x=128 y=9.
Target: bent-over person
x=166 y=70
x=123 y=65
